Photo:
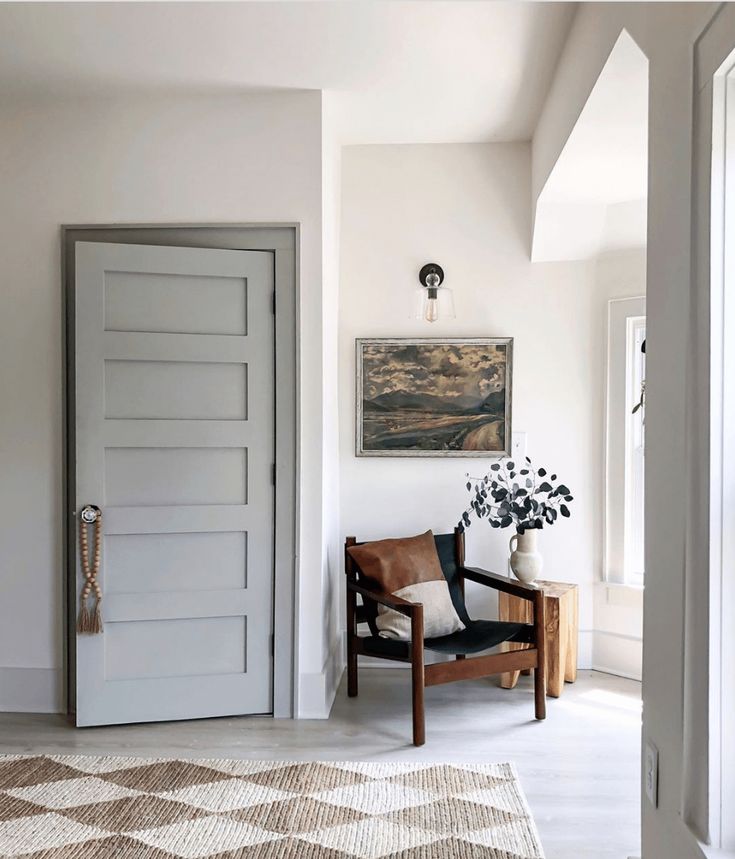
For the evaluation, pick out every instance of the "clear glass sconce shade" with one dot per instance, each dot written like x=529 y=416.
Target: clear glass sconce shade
x=433 y=303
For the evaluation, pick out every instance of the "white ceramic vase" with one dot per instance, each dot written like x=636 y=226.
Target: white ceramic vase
x=525 y=560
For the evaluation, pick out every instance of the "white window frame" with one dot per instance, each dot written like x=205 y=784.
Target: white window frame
x=722 y=460
x=623 y=437
x=635 y=370
x=714 y=299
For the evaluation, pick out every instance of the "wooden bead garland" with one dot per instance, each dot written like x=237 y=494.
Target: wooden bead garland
x=90 y=622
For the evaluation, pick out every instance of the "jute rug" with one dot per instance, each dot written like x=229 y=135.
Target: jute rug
x=63 y=807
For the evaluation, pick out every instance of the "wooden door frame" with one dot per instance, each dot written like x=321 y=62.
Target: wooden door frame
x=283 y=240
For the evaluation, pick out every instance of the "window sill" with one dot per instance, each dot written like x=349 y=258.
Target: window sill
x=622 y=586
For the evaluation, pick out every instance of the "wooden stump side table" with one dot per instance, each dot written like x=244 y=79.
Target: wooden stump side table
x=561 y=608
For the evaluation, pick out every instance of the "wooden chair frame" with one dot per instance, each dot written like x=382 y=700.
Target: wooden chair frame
x=533 y=656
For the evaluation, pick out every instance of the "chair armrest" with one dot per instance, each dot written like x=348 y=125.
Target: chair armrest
x=500 y=583
x=388 y=600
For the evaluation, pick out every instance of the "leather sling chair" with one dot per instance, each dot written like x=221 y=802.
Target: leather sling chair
x=477 y=637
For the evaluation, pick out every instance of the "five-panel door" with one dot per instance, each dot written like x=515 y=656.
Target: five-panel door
x=174 y=441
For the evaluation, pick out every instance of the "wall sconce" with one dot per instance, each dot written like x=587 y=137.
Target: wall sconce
x=433 y=301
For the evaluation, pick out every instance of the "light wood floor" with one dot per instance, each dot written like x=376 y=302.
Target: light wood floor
x=579 y=768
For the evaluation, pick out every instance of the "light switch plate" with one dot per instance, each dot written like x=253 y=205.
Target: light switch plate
x=518 y=445
x=650 y=773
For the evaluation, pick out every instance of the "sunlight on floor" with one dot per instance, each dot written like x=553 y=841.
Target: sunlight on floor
x=611 y=699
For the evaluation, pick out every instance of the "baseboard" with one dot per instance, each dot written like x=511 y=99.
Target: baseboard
x=317 y=691
x=334 y=669
x=585 y=640
x=618 y=654
x=31 y=690
x=615 y=672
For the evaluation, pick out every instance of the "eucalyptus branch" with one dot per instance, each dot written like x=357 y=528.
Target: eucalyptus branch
x=510 y=494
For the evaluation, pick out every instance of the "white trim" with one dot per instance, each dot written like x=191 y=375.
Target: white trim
x=722 y=460
x=619 y=311
x=622 y=586
x=318 y=690
x=617 y=653
x=635 y=337
x=616 y=672
x=714 y=46
x=716 y=482
x=714 y=215
x=31 y=690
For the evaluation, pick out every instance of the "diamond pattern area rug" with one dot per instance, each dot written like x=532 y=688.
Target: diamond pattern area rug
x=77 y=807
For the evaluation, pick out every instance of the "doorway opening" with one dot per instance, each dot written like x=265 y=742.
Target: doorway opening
x=594 y=207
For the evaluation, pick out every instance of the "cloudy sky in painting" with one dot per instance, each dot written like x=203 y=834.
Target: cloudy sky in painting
x=442 y=370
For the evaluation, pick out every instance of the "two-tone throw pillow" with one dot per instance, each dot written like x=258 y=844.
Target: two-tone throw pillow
x=409 y=568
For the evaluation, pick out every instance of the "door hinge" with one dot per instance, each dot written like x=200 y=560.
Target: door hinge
x=273 y=303
x=273 y=474
x=273 y=644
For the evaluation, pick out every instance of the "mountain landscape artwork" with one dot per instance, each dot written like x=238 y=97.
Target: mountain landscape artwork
x=434 y=397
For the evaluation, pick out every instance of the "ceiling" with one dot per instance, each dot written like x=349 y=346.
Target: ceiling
x=402 y=71
x=606 y=155
x=595 y=197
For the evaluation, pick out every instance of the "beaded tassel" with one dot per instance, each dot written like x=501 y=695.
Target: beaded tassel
x=90 y=622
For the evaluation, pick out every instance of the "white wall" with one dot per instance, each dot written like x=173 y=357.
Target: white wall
x=467 y=208
x=216 y=159
x=666 y=33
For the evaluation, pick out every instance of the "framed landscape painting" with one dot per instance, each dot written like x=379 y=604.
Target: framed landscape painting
x=431 y=397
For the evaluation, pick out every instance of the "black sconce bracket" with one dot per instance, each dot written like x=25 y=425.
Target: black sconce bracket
x=431 y=268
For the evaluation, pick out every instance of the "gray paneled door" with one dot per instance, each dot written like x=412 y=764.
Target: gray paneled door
x=174 y=408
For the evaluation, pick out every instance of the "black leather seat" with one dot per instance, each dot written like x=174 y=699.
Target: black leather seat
x=478 y=635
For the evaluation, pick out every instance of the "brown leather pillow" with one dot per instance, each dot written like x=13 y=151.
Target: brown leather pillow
x=408 y=567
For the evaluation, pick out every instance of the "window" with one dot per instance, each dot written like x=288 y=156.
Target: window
x=624 y=483
x=635 y=373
